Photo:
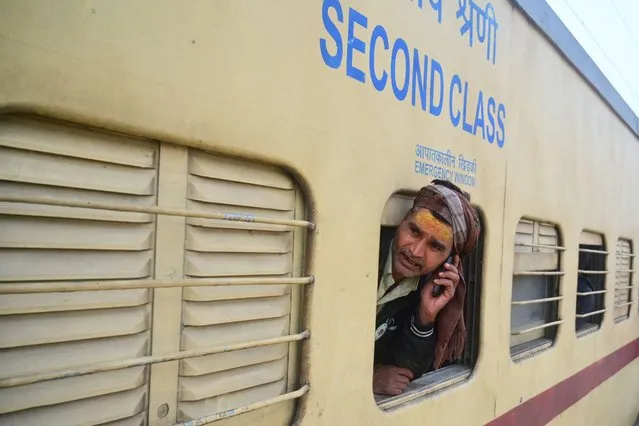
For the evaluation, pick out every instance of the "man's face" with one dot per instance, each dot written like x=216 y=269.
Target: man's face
x=422 y=243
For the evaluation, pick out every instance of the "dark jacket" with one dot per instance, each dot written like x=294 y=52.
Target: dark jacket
x=399 y=341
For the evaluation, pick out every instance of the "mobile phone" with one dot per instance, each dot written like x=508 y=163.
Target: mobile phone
x=437 y=289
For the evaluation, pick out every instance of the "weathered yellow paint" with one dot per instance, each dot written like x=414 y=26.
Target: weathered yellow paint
x=246 y=78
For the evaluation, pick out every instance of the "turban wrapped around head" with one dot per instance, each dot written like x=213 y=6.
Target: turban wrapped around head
x=452 y=205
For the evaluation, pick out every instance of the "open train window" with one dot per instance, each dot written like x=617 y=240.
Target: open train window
x=455 y=372
x=623 y=279
x=591 y=283
x=534 y=317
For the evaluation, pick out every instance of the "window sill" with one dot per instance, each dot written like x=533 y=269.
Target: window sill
x=587 y=329
x=621 y=319
x=426 y=385
x=529 y=349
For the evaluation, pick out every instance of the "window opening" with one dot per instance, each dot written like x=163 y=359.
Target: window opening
x=591 y=283
x=451 y=373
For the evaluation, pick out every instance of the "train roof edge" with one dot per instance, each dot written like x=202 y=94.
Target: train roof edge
x=547 y=21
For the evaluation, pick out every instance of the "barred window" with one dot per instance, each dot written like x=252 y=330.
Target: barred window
x=537 y=270
x=591 y=283
x=624 y=275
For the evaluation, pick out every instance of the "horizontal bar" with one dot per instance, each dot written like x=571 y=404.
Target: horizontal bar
x=558 y=248
x=70 y=286
x=102 y=367
x=626 y=287
x=593 y=251
x=532 y=273
x=538 y=327
x=625 y=254
x=234 y=217
x=589 y=272
x=532 y=301
x=621 y=305
x=589 y=314
x=626 y=271
x=247 y=408
x=588 y=293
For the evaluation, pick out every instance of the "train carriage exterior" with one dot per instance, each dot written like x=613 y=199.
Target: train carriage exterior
x=192 y=196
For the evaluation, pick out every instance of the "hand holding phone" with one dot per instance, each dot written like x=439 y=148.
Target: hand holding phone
x=433 y=296
x=438 y=289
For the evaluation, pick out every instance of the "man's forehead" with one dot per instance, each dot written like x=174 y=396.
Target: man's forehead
x=428 y=222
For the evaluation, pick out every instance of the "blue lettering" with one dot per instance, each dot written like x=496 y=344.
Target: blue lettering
x=378 y=32
x=437 y=7
x=354 y=43
x=489 y=117
x=400 y=94
x=464 y=179
x=333 y=61
x=501 y=111
x=479 y=116
x=454 y=117
x=418 y=79
x=436 y=68
x=466 y=126
x=491 y=120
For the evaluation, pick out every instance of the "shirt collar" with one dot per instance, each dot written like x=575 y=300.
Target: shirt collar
x=404 y=287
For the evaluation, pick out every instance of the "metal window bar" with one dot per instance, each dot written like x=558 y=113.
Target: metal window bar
x=588 y=293
x=590 y=272
x=542 y=273
x=621 y=305
x=582 y=250
x=537 y=327
x=626 y=255
x=145 y=360
x=131 y=284
x=589 y=314
x=626 y=287
x=70 y=286
x=626 y=271
x=543 y=246
x=533 y=301
x=233 y=217
x=247 y=408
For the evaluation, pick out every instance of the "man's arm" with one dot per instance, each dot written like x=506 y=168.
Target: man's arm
x=414 y=347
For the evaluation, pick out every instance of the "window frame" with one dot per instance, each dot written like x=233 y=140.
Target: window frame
x=526 y=349
x=630 y=285
x=167 y=281
x=589 y=254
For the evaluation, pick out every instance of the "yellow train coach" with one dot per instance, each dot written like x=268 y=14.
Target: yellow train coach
x=193 y=195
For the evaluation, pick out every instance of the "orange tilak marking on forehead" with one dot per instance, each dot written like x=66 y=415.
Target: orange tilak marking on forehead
x=435 y=227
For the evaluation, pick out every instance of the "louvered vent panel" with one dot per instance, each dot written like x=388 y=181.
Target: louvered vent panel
x=222 y=315
x=43 y=332
x=535 y=253
x=623 y=279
